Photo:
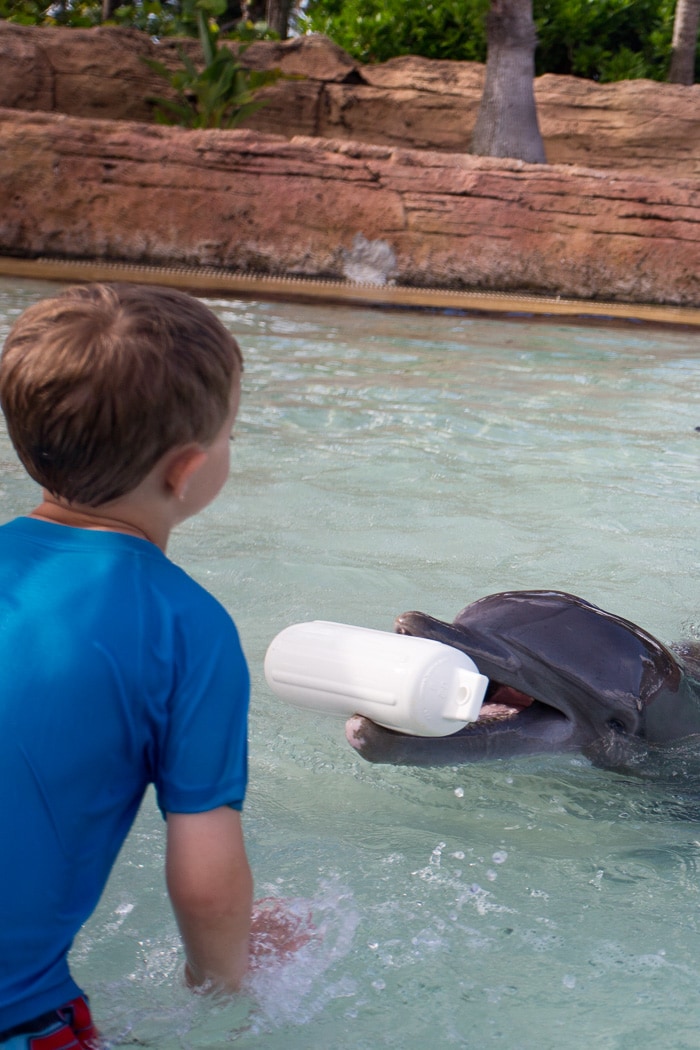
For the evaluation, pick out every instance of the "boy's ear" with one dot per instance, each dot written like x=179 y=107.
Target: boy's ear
x=184 y=463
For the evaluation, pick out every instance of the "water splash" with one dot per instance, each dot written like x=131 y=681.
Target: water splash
x=369 y=262
x=297 y=990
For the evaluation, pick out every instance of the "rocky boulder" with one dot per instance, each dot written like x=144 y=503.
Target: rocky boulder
x=244 y=200
x=412 y=102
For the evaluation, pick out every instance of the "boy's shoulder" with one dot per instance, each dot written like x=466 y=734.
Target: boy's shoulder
x=78 y=559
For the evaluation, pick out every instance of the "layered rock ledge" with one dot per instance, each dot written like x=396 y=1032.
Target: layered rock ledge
x=246 y=200
x=345 y=153
x=414 y=102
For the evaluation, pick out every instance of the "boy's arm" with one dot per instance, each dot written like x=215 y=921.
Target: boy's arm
x=211 y=890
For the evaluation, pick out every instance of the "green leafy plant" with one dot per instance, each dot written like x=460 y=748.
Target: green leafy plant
x=220 y=95
x=600 y=39
x=376 y=30
x=604 y=39
x=77 y=14
x=158 y=18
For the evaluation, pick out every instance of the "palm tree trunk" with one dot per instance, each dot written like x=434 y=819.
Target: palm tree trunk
x=685 y=42
x=506 y=125
x=109 y=7
x=277 y=16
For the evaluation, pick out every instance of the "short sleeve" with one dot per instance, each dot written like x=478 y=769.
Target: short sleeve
x=203 y=747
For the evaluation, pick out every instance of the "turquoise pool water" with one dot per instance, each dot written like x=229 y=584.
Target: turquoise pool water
x=388 y=461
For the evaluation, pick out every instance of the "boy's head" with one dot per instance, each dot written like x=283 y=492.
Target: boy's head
x=100 y=382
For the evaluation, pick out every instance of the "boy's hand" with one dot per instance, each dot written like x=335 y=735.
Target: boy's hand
x=277 y=931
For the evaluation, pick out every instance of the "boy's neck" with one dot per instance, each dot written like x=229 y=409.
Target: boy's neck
x=60 y=513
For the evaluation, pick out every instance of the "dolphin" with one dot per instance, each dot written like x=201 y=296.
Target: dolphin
x=564 y=676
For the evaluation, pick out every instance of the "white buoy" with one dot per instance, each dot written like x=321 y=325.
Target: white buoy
x=415 y=685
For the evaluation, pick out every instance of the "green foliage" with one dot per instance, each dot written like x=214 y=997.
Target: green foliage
x=156 y=17
x=376 y=30
x=604 y=39
x=600 y=39
x=220 y=95
x=77 y=14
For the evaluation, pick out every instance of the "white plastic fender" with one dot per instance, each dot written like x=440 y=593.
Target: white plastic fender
x=414 y=685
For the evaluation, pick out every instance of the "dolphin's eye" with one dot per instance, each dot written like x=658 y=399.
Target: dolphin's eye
x=616 y=725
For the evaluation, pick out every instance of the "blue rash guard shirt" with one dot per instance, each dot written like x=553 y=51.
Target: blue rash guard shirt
x=117 y=670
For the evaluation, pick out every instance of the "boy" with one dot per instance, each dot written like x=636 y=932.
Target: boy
x=116 y=669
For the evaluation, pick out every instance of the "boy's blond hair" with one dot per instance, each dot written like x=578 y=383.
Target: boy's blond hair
x=100 y=382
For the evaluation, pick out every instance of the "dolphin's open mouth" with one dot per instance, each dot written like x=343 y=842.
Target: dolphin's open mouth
x=511 y=721
x=505 y=708
x=503 y=701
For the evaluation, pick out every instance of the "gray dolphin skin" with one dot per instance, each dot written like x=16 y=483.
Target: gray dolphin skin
x=564 y=676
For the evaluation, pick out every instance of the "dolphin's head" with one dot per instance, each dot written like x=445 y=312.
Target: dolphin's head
x=564 y=675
